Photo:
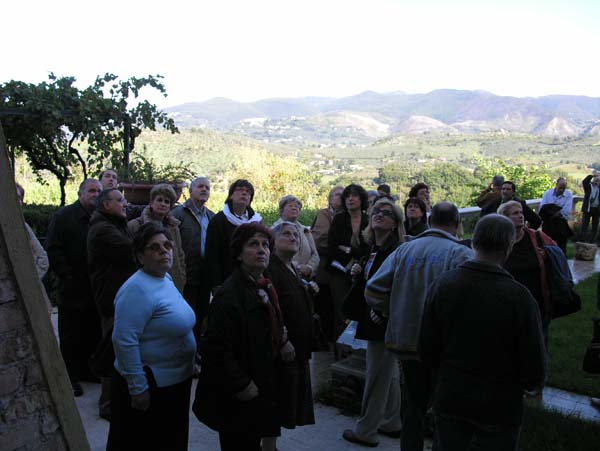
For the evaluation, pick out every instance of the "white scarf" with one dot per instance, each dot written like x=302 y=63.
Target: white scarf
x=236 y=220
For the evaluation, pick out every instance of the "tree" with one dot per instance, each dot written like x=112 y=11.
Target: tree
x=49 y=121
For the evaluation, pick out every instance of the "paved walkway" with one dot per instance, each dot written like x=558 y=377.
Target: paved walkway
x=330 y=422
x=325 y=435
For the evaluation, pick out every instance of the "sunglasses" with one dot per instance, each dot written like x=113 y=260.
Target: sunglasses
x=156 y=247
x=384 y=213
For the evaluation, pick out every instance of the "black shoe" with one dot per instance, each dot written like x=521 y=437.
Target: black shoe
x=350 y=436
x=77 y=389
x=391 y=434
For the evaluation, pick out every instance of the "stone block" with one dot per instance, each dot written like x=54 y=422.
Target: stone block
x=14 y=348
x=50 y=423
x=11 y=316
x=33 y=374
x=19 y=435
x=10 y=380
x=7 y=290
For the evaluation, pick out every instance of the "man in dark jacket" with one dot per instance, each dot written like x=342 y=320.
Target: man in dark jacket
x=482 y=335
x=590 y=207
x=194 y=217
x=236 y=211
x=110 y=264
x=509 y=192
x=78 y=320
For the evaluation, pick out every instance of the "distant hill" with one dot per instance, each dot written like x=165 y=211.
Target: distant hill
x=369 y=116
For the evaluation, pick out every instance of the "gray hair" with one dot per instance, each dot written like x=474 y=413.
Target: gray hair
x=103 y=197
x=278 y=228
x=83 y=185
x=493 y=233
x=507 y=206
x=286 y=200
x=198 y=180
x=497 y=180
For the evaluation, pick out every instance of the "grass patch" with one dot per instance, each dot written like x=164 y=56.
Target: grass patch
x=569 y=337
x=545 y=430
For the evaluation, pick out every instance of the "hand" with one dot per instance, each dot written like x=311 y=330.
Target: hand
x=375 y=317
x=355 y=269
x=345 y=249
x=288 y=353
x=314 y=287
x=141 y=401
x=305 y=270
x=248 y=393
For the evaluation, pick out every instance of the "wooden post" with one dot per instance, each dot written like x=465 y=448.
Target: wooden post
x=29 y=293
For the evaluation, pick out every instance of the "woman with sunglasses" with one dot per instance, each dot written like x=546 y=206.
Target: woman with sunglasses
x=380 y=410
x=154 y=349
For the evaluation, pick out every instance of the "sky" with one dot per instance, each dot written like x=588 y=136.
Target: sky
x=251 y=49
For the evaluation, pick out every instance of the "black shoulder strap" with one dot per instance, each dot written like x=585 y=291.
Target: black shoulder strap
x=539 y=239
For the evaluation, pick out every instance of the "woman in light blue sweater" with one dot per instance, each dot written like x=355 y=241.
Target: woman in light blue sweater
x=154 y=349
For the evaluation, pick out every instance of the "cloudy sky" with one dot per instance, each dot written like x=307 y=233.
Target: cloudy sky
x=252 y=49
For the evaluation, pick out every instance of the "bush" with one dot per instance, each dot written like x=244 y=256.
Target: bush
x=38 y=217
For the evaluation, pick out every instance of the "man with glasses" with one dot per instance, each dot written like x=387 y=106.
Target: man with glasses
x=78 y=321
x=110 y=264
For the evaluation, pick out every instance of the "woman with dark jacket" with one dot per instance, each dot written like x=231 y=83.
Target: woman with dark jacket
x=346 y=246
x=237 y=211
x=296 y=400
x=526 y=264
x=245 y=340
x=380 y=411
x=415 y=214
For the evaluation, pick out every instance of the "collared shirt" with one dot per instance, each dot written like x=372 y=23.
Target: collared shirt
x=202 y=216
x=564 y=201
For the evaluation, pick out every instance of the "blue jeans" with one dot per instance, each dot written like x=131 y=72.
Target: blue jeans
x=462 y=435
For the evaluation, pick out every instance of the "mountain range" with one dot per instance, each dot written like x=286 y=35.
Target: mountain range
x=369 y=116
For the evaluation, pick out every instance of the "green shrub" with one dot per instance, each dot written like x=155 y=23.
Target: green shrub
x=38 y=217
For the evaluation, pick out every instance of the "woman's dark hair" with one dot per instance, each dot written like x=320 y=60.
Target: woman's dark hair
x=418 y=202
x=353 y=188
x=144 y=234
x=414 y=191
x=242 y=235
x=240 y=183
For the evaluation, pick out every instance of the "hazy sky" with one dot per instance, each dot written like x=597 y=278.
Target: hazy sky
x=251 y=49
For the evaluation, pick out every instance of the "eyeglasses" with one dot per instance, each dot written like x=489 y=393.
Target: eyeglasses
x=156 y=247
x=385 y=213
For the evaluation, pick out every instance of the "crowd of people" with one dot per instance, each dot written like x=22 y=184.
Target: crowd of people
x=176 y=292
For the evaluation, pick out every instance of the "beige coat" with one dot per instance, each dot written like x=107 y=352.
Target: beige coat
x=172 y=225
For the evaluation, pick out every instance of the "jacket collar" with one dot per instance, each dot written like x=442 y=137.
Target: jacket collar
x=437 y=232
x=483 y=267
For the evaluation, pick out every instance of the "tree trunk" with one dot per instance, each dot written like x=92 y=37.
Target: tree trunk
x=74 y=151
x=63 y=194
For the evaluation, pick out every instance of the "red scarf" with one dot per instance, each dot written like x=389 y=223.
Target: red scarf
x=275 y=317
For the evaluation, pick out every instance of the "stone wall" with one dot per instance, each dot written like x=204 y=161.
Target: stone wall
x=28 y=419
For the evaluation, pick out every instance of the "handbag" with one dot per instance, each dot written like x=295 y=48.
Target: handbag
x=591 y=359
x=563 y=297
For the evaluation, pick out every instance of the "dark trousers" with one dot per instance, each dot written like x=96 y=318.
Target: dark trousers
x=237 y=441
x=163 y=427
x=594 y=215
x=340 y=285
x=460 y=435
x=416 y=393
x=324 y=308
x=104 y=400
x=79 y=333
x=198 y=298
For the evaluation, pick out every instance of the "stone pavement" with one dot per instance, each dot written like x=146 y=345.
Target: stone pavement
x=325 y=435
